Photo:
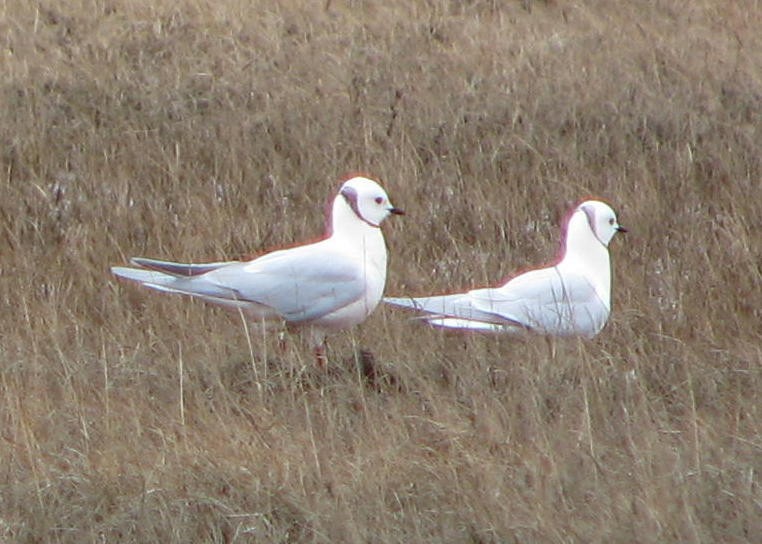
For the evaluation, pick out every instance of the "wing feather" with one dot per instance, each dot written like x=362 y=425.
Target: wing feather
x=178 y=269
x=540 y=300
x=545 y=301
x=300 y=284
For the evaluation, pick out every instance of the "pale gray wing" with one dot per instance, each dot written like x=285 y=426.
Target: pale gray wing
x=300 y=284
x=178 y=269
x=547 y=302
x=459 y=305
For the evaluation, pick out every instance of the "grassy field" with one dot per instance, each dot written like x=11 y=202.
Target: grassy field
x=207 y=130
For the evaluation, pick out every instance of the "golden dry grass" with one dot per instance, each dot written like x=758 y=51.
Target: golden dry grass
x=205 y=130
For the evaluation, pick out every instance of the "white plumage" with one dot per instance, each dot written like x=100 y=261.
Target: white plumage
x=571 y=298
x=324 y=286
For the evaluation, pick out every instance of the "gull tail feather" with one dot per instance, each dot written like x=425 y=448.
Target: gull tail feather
x=193 y=287
x=149 y=278
x=443 y=322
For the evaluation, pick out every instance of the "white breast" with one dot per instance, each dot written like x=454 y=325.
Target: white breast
x=372 y=268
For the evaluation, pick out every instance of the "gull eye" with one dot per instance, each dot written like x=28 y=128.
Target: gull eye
x=379 y=200
x=611 y=221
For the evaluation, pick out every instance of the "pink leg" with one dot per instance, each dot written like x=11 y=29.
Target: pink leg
x=320 y=355
x=282 y=342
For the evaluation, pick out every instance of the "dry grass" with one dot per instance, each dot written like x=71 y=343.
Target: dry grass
x=204 y=130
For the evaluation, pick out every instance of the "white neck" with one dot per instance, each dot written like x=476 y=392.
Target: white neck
x=357 y=235
x=585 y=252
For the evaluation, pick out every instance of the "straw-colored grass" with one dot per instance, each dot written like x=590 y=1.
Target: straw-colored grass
x=208 y=130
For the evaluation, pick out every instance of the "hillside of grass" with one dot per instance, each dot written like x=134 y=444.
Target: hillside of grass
x=202 y=131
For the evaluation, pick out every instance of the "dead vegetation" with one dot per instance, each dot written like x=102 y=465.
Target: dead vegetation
x=207 y=130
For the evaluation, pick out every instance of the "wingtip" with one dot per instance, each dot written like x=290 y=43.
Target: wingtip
x=402 y=302
x=142 y=262
x=123 y=272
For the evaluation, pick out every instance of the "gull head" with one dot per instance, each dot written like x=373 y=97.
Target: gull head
x=601 y=219
x=368 y=200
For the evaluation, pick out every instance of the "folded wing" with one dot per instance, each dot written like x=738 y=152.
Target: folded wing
x=300 y=284
x=548 y=302
x=178 y=269
x=293 y=283
x=459 y=307
x=542 y=300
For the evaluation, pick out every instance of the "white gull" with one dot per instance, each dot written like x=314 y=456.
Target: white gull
x=324 y=286
x=570 y=298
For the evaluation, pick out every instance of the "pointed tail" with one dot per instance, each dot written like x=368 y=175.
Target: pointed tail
x=150 y=278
